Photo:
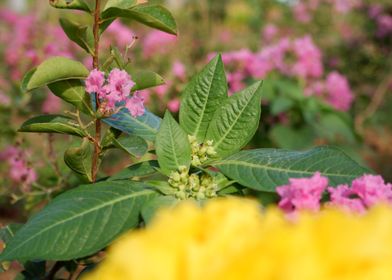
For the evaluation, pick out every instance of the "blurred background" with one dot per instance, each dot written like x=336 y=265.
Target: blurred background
x=326 y=66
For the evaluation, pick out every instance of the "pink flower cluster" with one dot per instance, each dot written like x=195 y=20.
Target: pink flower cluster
x=306 y=193
x=158 y=42
x=19 y=170
x=382 y=19
x=114 y=90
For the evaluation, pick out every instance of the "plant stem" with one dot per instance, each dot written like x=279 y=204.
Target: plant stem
x=97 y=148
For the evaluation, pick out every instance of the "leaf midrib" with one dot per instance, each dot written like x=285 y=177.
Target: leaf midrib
x=112 y=202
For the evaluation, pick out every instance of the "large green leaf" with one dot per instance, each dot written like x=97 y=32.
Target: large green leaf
x=8 y=232
x=73 y=92
x=145 y=79
x=235 y=122
x=202 y=97
x=79 y=222
x=265 y=169
x=81 y=35
x=52 y=124
x=133 y=145
x=78 y=159
x=145 y=126
x=155 y=16
x=172 y=145
x=53 y=70
x=140 y=169
x=70 y=4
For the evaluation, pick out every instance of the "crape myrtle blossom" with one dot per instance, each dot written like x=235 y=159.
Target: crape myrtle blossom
x=306 y=193
x=114 y=90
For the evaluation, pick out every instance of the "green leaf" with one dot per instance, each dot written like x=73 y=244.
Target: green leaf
x=265 y=169
x=202 y=97
x=155 y=16
x=145 y=126
x=133 y=145
x=296 y=138
x=78 y=159
x=108 y=139
x=53 y=70
x=8 y=232
x=236 y=121
x=172 y=146
x=140 y=169
x=52 y=124
x=124 y=4
x=73 y=92
x=149 y=210
x=145 y=79
x=81 y=35
x=70 y=4
x=79 y=222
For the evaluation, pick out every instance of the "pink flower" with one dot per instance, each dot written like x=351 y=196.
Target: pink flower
x=120 y=33
x=345 y=197
x=339 y=94
x=135 y=105
x=158 y=42
x=301 y=12
x=269 y=32
x=95 y=81
x=179 y=70
x=372 y=189
x=309 y=63
x=302 y=193
x=174 y=105
x=120 y=84
x=5 y=100
x=52 y=104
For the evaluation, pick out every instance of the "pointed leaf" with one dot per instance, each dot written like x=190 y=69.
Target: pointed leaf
x=202 y=97
x=81 y=35
x=79 y=222
x=265 y=169
x=155 y=16
x=145 y=126
x=172 y=146
x=53 y=70
x=52 y=124
x=236 y=121
x=124 y=4
x=133 y=145
x=70 y=4
x=73 y=92
x=145 y=79
x=78 y=159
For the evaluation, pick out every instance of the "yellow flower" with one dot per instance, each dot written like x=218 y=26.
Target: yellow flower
x=233 y=238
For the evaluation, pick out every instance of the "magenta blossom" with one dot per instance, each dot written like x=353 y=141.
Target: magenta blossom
x=345 y=197
x=339 y=93
x=95 y=81
x=135 y=105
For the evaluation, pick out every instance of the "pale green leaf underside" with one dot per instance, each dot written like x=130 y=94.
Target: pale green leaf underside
x=172 y=145
x=79 y=222
x=265 y=169
x=236 y=121
x=202 y=97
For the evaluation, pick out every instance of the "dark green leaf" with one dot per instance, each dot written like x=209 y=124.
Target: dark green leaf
x=52 y=124
x=73 y=92
x=8 y=232
x=140 y=169
x=78 y=159
x=81 y=35
x=149 y=210
x=79 y=222
x=265 y=169
x=202 y=97
x=70 y=4
x=236 y=121
x=53 y=70
x=145 y=126
x=132 y=144
x=155 y=16
x=172 y=146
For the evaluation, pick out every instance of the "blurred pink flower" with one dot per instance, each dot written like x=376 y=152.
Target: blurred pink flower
x=5 y=100
x=158 y=42
x=52 y=104
x=174 y=105
x=309 y=62
x=372 y=189
x=269 y=32
x=345 y=197
x=119 y=33
x=301 y=12
x=179 y=70
x=135 y=105
x=339 y=94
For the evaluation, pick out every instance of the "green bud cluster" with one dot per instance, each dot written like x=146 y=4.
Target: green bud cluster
x=192 y=185
x=201 y=152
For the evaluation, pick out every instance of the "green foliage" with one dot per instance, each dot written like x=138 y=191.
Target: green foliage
x=265 y=169
x=52 y=124
x=145 y=79
x=78 y=159
x=81 y=35
x=53 y=70
x=236 y=121
x=155 y=16
x=172 y=146
x=123 y=4
x=79 y=222
x=152 y=206
x=133 y=145
x=70 y=4
x=140 y=169
x=202 y=97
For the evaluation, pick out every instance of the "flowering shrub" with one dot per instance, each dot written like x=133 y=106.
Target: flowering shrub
x=189 y=242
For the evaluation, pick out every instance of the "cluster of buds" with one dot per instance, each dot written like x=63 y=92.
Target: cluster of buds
x=192 y=186
x=201 y=152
